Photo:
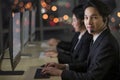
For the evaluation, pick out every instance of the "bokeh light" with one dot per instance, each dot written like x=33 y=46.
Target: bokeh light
x=28 y=5
x=43 y=10
x=112 y=19
x=54 y=8
x=65 y=17
x=43 y=4
x=118 y=14
x=55 y=20
x=45 y=16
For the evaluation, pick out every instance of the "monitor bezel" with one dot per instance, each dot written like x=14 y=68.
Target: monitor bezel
x=14 y=60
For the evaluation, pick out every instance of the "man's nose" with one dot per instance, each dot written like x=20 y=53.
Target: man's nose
x=89 y=21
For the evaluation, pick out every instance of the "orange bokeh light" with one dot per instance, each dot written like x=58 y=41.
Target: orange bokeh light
x=55 y=20
x=45 y=16
x=43 y=4
x=65 y=17
x=54 y=8
x=118 y=14
x=28 y=5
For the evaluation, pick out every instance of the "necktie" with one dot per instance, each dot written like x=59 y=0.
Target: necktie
x=91 y=44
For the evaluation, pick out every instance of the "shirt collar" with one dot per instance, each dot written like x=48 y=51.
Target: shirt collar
x=96 y=36
x=81 y=34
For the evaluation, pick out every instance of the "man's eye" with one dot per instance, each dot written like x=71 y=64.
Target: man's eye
x=94 y=17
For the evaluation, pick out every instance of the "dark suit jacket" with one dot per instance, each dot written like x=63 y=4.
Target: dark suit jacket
x=69 y=46
x=102 y=62
x=64 y=49
x=79 y=54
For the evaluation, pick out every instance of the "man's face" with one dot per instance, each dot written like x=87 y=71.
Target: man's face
x=76 y=23
x=93 y=20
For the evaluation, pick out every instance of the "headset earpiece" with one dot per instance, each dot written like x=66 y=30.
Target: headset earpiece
x=105 y=20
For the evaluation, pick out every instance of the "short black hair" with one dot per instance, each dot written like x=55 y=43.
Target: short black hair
x=78 y=11
x=102 y=8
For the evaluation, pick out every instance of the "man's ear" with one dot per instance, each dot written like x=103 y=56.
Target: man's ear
x=105 y=20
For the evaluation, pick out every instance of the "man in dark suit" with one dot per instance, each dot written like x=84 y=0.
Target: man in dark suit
x=78 y=48
x=103 y=59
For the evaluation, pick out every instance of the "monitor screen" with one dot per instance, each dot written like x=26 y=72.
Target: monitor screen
x=32 y=24
x=25 y=27
x=33 y=21
x=15 y=40
x=16 y=34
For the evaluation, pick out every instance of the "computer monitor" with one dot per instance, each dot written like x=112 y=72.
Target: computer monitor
x=14 y=44
x=15 y=40
x=25 y=28
x=32 y=24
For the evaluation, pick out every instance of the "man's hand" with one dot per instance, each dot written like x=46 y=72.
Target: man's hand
x=51 y=53
x=53 y=42
x=52 y=71
x=56 y=65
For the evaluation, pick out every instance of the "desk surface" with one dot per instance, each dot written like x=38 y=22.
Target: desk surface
x=29 y=62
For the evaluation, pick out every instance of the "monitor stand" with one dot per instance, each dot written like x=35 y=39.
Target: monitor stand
x=11 y=72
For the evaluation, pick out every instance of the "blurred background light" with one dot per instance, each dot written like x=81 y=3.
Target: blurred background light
x=43 y=10
x=65 y=17
x=118 y=14
x=43 y=4
x=112 y=19
x=54 y=8
x=45 y=16
x=55 y=20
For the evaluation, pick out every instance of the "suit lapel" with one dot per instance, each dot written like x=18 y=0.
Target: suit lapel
x=74 y=41
x=96 y=44
x=98 y=40
x=77 y=50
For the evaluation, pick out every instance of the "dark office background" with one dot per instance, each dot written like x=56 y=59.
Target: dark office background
x=58 y=22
